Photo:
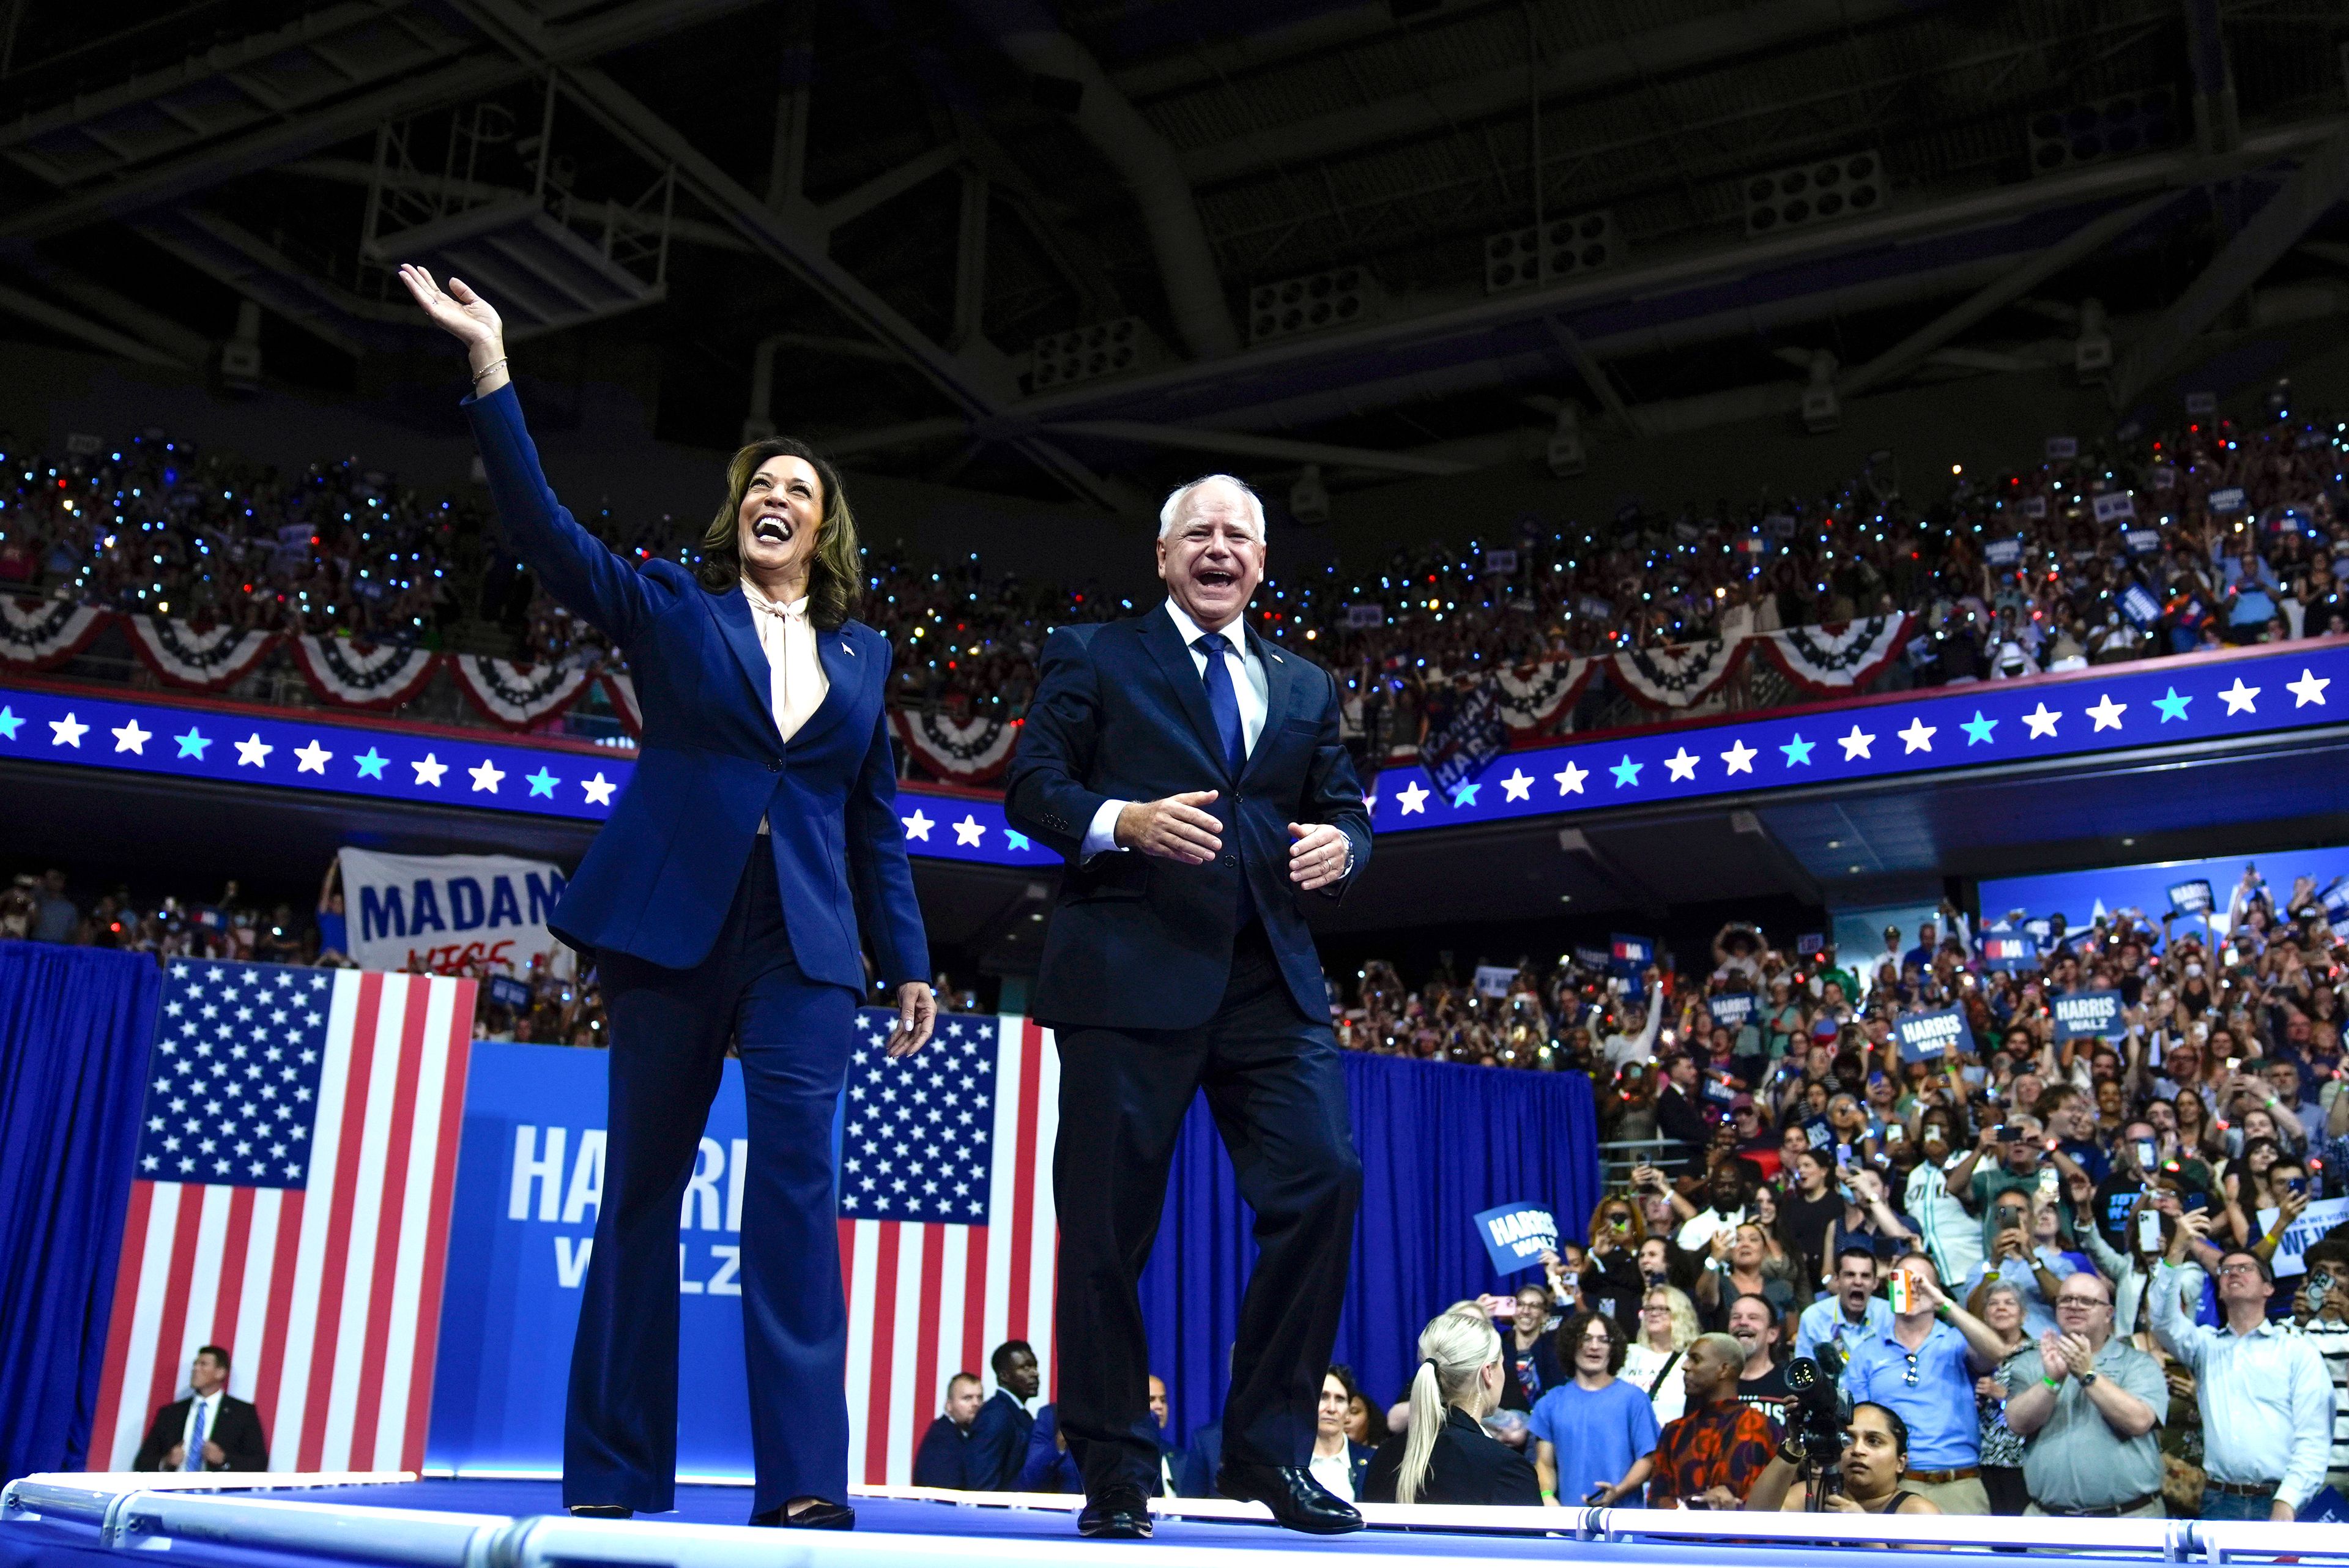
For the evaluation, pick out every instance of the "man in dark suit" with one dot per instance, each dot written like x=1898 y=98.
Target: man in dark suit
x=998 y=1433
x=939 y=1460
x=208 y=1430
x=1192 y=774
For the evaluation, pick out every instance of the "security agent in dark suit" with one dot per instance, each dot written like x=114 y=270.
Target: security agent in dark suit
x=1192 y=774
x=1445 y=1456
x=998 y=1437
x=208 y=1430
x=939 y=1461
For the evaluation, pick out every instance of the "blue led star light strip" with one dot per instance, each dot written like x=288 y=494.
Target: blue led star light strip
x=2170 y=701
x=385 y=762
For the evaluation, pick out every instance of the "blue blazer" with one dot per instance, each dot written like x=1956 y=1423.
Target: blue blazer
x=660 y=877
x=1120 y=714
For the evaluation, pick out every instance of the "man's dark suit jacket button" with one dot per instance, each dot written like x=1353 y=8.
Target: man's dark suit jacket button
x=1231 y=859
x=774 y=765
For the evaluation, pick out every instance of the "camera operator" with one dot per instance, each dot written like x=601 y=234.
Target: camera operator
x=1925 y=1370
x=1866 y=1479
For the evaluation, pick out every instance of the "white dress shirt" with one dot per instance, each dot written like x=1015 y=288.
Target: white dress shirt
x=2267 y=1398
x=1251 y=685
x=796 y=682
x=210 y=1404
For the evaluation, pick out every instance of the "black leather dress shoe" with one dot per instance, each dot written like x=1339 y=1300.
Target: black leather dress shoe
x=601 y=1510
x=814 y=1514
x=1120 y=1513
x=1297 y=1501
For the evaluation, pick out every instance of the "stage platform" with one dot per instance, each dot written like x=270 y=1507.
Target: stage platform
x=276 y=1521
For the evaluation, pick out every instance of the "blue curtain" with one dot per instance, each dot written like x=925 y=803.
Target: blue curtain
x=1439 y=1143
x=76 y=1024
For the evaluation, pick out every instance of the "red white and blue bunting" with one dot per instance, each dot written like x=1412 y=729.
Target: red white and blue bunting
x=973 y=751
x=208 y=661
x=1673 y=678
x=620 y=690
x=517 y=695
x=355 y=675
x=40 y=634
x=1533 y=697
x=1829 y=661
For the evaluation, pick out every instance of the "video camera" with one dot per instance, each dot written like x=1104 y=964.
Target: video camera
x=1815 y=1418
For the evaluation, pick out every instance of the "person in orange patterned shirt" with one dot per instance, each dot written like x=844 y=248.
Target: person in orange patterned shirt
x=1710 y=1456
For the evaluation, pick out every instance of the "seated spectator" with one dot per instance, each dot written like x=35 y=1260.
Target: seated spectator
x=2266 y=1397
x=1593 y=1433
x=209 y=1431
x=998 y=1449
x=2086 y=1403
x=1711 y=1456
x=1338 y=1462
x=1875 y=1460
x=1445 y=1455
x=939 y=1461
x=1048 y=1466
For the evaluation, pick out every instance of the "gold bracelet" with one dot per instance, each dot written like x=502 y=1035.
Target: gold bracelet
x=487 y=369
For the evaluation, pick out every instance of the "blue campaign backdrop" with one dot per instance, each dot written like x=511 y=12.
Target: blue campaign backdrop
x=1439 y=1142
x=76 y=1024
x=2077 y=896
x=529 y=1176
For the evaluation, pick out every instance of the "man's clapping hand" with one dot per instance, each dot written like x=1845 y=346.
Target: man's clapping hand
x=1175 y=828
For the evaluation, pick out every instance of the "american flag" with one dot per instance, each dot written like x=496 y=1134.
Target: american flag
x=297 y=1155
x=946 y=1227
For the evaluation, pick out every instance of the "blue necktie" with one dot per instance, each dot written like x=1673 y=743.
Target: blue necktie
x=195 y=1459
x=1224 y=702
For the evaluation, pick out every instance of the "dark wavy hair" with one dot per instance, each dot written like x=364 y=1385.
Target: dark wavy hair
x=1571 y=1332
x=835 y=572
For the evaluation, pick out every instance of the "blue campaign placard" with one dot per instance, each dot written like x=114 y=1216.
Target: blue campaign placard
x=530 y=1182
x=2009 y=950
x=1515 y=1235
x=1731 y=1009
x=2192 y=897
x=1630 y=955
x=2085 y=1014
x=1926 y=1036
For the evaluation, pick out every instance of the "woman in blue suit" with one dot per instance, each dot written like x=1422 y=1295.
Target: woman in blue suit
x=723 y=902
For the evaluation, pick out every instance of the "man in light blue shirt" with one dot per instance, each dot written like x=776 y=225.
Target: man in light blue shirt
x=1854 y=1316
x=1925 y=1370
x=2266 y=1397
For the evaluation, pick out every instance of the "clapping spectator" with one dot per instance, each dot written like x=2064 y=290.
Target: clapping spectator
x=2086 y=1403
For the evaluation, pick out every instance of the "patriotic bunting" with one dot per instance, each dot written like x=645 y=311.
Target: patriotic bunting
x=620 y=689
x=1829 y=661
x=355 y=675
x=207 y=660
x=1682 y=677
x=517 y=695
x=40 y=634
x=1531 y=698
x=972 y=751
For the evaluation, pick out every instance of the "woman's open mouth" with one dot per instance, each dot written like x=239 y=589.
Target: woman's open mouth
x=773 y=529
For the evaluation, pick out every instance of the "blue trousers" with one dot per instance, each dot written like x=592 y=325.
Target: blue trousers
x=2217 y=1505
x=669 y=1032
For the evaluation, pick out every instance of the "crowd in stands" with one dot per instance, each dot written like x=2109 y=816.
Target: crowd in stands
x=2234 y=533
x=2093 y=1275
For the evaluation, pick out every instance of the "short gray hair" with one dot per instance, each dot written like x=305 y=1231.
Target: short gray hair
x=1181 y=493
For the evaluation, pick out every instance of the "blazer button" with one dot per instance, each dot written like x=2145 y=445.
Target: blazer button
x=774 y=765
x=1231 y=859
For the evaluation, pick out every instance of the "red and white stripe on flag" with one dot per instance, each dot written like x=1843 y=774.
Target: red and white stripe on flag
x=927 y=1301
x=325 y=1293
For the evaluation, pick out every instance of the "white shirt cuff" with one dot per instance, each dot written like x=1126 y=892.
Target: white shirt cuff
x=1101 y=836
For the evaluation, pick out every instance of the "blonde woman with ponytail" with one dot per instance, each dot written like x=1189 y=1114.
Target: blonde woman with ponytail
x=1445 y=1456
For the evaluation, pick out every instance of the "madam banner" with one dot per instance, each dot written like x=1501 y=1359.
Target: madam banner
x=449 y=910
